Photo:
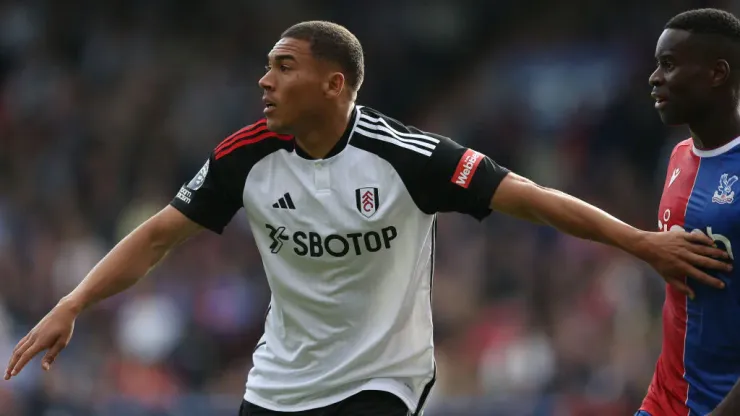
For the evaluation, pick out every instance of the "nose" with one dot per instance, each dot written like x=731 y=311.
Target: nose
x=266 y=82
x=656 y=78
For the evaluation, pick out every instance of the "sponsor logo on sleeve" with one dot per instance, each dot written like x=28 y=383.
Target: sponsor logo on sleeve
x=184 y=195
x=466 y=168
x=199 y=178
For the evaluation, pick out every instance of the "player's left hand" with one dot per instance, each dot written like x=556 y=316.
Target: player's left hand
x=52 y=333
x=678 y=254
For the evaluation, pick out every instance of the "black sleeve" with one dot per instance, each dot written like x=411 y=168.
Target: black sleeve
x=457 y=179
x=212 y=197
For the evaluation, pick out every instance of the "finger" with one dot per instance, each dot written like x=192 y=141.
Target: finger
x=708 y=262
x=705 y=278
x=27 y=356
x=17 y=352
x=683 y=288
x=699 y=238
x=708 y=251
x=22 y=342
x=51 y=355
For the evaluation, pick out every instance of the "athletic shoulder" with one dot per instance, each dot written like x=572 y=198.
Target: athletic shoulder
x=214 y=194
x=376 y=117
x=682 y=146
x=252 y=142
x=440 y=174
x=373 y=124
x=400 y=144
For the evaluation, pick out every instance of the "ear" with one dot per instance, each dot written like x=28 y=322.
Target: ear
x=720 y=72
x=334 y=85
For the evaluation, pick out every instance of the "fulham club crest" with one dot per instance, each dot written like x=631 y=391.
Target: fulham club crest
x=367 y=201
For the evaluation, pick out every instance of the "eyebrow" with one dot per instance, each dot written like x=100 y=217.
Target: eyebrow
x=282 y=57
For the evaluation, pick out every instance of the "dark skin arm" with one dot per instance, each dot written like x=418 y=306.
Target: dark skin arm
x=674 y=255
x=130 y=260
x=730 y=406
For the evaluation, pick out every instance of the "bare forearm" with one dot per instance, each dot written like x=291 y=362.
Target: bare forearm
x=128 y=262
x=577 y=218
x=731 y=404
x=131 y=259
x=532 y=202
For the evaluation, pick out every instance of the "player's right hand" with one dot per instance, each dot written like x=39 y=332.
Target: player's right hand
x=678 y=254
x=52 y=333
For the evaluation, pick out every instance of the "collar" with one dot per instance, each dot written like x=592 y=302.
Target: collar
x=717 y=151
x=341 y=144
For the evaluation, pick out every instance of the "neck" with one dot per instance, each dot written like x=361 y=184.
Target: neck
x=716 y=129
x=319 y=138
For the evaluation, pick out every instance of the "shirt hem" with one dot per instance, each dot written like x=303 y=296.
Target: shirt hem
x=392 y=387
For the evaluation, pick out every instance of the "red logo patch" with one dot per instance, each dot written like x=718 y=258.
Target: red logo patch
x=466 y=168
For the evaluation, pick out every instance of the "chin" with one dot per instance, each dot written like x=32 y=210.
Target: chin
x=674 y=123
x=276 y=126
x=272 y=124
x=672 y=120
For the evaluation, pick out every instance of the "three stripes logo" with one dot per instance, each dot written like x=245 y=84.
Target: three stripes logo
x=251 y=134
x=285 y=202
x=367 y=201
x=378 y=128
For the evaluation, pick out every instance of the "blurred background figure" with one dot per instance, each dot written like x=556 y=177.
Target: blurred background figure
x=107 y=107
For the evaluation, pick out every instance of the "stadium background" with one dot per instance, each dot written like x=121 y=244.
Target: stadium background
x=108 y=106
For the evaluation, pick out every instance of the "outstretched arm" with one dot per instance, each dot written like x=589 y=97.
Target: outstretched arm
x=674 y=255
x=520 y=197
x=128 y=262
x=460 y=179
x=132 y=258
x=209 y=201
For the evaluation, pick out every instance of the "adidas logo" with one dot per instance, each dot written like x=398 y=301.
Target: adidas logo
x=286 y=202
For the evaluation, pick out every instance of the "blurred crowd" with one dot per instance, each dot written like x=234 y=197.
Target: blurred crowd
x=106 y=107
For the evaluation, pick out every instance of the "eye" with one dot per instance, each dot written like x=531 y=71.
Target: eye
x=267 y=68
x=284 y=68
x=666 y=65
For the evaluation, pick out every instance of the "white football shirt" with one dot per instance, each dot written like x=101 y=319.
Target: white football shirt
x=347 y=244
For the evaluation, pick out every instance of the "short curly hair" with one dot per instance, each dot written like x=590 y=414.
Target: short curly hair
x=334 y=43
x=707 y=22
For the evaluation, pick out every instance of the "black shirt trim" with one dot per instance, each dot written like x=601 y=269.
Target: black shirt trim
x=341 y=144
